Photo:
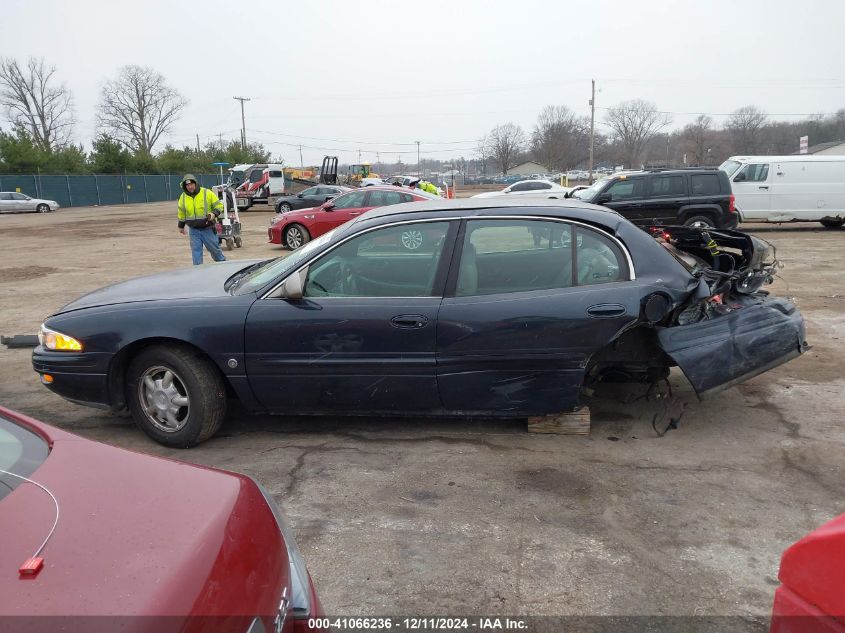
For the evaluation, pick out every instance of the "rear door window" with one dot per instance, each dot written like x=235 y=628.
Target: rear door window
x=667 y=186
x=384 y=198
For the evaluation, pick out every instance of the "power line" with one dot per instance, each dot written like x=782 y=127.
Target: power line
x=338 y=140
x=728 y=113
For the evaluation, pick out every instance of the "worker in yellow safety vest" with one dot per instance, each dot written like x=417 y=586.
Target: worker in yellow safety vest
x=428 y=187
x=199 y=209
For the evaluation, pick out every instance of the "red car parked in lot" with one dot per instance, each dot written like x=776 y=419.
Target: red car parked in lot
x=295 y=228
x=92 y=530
x=811 y=598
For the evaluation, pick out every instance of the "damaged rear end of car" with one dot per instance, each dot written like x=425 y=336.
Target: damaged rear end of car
x=728 y=329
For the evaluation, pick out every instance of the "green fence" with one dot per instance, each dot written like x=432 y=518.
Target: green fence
x=81 y=191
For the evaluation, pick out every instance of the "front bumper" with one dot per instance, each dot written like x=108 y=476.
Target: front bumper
x=80 y=377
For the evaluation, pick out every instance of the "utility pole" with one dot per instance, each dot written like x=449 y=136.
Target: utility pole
x=301 y=163
x=419 y=169
x=667 y=149
x=221 y=141
x=592 y=126
x=198 y=143
x=243 y=121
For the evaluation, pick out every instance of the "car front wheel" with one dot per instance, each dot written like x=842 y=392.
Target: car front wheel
x=43 y=208
x=175 y=395
x=283 y=208
x=296 y=236
x=700 y=222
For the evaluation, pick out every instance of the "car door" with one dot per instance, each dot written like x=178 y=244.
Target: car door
x=666 y=195
x=362 y=337
x=308 y=198
x=21 y=202
x=528 y=304
x=626 y=197
x=752 y=188
x=340 y=210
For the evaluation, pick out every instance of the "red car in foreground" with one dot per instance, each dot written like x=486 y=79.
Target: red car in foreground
x=92 y=530
x=295 y=228
x=811 y=598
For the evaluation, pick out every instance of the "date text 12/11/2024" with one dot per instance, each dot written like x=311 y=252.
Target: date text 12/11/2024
x=349 y=624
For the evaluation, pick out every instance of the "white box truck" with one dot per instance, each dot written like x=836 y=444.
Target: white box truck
x=798 y=188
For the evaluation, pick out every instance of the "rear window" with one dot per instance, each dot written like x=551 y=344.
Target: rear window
x=704 y=185
x=21 y=452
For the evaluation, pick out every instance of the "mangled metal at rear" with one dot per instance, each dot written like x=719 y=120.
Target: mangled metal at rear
x=729 y=330
x=719 y=352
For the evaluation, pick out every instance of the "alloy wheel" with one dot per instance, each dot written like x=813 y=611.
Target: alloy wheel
x=412 y=240
x=164 y=398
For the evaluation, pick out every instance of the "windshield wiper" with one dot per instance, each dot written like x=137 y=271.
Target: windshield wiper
x=239 y=276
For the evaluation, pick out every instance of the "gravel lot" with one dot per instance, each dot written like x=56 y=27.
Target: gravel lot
x=450 y=517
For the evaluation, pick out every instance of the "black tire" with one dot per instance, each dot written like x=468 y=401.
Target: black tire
x=832 y=223
x=195 y=379
x=701 y=221
x=43 y=208
x=296 y=236
x=230 y=244
x=284 y=207
x=239 y=242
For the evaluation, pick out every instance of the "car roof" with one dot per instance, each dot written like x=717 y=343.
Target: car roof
x=552 y=206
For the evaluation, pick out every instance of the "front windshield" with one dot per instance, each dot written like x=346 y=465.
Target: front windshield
x=278 y=267
x=730 y=167
x=21 y=452
x=590 y=192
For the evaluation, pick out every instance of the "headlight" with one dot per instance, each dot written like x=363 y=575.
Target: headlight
x=58 y=341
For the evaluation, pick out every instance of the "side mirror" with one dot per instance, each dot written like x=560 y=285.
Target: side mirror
x=604 y=197
x=293 y=288
x=740 y=177
x=300 y=195
x=328 y=206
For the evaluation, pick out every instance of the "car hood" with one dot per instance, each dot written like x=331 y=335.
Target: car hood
x=150 y=537
x=187 y=283
x=489 y=194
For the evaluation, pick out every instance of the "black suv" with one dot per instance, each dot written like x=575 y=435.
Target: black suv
x=694 y=197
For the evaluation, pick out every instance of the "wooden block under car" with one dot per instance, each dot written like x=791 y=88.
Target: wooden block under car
x=572 y=423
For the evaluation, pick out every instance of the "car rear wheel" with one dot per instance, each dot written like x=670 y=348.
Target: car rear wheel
x=832 y=223
x=700 y=222
x=284 y=208
x=175 y=395
x=295 y=236
x=43 y=208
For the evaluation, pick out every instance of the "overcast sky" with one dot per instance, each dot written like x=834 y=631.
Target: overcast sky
x=377 y=76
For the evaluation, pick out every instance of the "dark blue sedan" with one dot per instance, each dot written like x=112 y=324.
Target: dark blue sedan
x=488 y=307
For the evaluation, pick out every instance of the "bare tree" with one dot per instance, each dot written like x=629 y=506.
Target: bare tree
x=35 y=104
x=634 y=124
x=698 y=137
x=138 y=107
x=746 y=128
x=506 y=142
x=558 y=140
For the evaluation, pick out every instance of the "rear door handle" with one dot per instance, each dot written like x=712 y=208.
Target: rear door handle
x=409 y=321
x=606 y=310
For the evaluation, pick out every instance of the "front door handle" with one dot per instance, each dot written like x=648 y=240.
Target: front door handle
x=409 y=321
x=764 y=186
x=606 y=310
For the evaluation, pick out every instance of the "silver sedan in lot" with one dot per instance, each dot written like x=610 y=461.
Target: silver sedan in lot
x=14 y=202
